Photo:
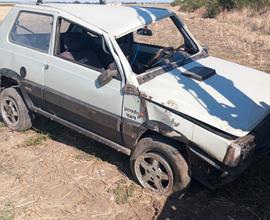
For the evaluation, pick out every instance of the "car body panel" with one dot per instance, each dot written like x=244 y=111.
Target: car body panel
x=234 y=100
x=135 y=17
x=65 y=80
x=15 y=56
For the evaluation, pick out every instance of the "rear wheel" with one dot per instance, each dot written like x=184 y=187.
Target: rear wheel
x=14 y=111
x=159 y=167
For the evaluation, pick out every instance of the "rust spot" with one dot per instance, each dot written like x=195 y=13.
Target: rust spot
x=143 y=110
x=131 y=90
x=166 y=131
x=172 y=103
x=144 y=95
x=175 y=124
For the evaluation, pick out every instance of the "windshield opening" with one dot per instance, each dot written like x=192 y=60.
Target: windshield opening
x=157 y=44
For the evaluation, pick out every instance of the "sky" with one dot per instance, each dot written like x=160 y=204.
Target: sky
x=33 y=1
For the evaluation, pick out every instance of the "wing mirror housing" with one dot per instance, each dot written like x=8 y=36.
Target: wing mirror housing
x=144 y=31
x=206 y=49
x=106 y=76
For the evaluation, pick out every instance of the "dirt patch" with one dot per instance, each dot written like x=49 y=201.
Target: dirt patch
x=53 y=172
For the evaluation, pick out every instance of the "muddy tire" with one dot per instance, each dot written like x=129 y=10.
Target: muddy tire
x=13 y=110
x=159 y=167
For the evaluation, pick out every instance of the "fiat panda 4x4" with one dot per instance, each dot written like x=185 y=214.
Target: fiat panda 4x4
x=134 y=78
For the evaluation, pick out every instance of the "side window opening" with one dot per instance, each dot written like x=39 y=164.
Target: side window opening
x=77 y=44
x=37 y=34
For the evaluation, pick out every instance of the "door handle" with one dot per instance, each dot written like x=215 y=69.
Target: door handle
x=46 y=67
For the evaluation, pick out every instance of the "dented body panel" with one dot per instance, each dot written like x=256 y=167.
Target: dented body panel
x=234 y=100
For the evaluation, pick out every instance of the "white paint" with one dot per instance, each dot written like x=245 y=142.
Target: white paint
x=235 y=100
x=113 y=19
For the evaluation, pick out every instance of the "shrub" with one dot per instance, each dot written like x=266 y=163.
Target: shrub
x=189 y=5
x=227 y=4
x=213 y=7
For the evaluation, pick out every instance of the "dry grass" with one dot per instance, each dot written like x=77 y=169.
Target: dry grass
x=36 y=139
x=123 y=191
x=252 y=36
x=7 y=213
x=254 y=22
x=232 y=36
x=1 y=125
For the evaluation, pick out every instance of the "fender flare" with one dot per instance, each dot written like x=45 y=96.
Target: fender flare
x=18 y=78
x=10 y=74
x=132 y=132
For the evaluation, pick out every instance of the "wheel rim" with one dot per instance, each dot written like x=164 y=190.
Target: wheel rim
x=154 y=172
x=10 y=111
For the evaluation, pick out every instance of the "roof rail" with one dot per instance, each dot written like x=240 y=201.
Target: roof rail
x=39 y=2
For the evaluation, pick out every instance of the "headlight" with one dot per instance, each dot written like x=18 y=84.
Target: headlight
x=239 y=150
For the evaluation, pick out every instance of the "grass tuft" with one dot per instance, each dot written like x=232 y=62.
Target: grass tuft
x=35 y=140
x=8 y=212
x=2 y=125
x=123 y=191
x=85 y=156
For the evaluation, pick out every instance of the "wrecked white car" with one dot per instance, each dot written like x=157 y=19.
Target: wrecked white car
x=135 y=79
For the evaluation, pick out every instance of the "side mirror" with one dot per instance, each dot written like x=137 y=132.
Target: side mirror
x=106 y=76
x=205 y=49
x=144 y=31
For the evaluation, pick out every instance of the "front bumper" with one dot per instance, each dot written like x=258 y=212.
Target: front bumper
x=240 y=155
x=211 y=173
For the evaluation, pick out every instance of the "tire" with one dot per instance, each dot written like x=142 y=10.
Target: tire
x=13 y=110
x=170 y=163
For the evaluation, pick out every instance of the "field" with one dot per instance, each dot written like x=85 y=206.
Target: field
x=51 y=172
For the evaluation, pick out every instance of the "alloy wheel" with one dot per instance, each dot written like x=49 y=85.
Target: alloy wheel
x=10 y=111
x=154 y=172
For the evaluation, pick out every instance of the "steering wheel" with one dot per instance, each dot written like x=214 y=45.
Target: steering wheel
x=163 y=54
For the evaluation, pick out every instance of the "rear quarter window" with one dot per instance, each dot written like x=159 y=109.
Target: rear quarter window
x=33 y=30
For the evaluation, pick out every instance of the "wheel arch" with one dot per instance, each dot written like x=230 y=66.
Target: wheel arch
x=169 y=135
x=9 y=78
x=133 y=133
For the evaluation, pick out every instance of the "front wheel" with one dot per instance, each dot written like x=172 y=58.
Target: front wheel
x=159 y=167
x=14 y=111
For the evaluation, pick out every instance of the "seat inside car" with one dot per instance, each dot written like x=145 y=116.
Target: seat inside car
x=80 y=47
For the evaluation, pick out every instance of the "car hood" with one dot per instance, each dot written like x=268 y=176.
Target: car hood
x=233 y=100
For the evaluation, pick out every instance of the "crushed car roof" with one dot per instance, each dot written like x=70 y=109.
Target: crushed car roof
x=117 y=20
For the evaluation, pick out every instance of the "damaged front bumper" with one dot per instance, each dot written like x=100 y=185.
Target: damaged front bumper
x=239 y=156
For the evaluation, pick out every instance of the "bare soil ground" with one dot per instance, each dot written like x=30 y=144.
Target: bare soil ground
x=51 y=172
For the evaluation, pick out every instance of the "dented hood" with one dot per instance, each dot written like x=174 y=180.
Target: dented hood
x=234 y=100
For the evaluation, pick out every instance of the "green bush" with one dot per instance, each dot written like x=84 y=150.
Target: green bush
x=189 y=5
x=213 y=7
x=227 y=4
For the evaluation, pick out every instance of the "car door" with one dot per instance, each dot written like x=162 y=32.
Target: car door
x=71 y=90
x=29 y=44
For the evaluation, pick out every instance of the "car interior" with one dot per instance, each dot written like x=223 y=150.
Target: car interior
x=81 y=46
x=155 y=45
